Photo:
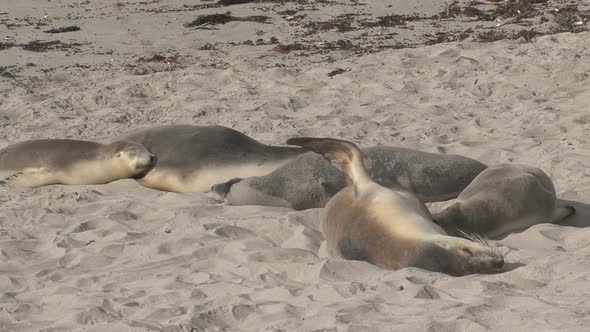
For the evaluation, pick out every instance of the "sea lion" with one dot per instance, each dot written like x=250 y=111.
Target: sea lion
x=309 y=181
x=503 y=199
x=41 y=162
x=193 y=158
x=306 y=182
x=387 y=227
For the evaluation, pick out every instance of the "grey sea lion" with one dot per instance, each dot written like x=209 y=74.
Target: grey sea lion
x=503 y=199
x=309 y=180
x=390 y=228
x=193 y=158
x=36 y=163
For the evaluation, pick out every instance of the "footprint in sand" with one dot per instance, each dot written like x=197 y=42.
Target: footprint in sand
x=103 y=313
x=233 y=232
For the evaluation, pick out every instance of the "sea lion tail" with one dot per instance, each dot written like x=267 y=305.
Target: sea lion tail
x=345 y=154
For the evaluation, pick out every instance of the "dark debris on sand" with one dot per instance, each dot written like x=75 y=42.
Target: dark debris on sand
x=233 y=2
x=158 y=58
x=392 y=21
x=571 y=19
x=215 y=19
x=44 y=46
x=336 y=71
x=358 y=33
x=500 y=34
x=5 y=72
x=70 y=28
x=527 y=19
x=4 y=46
x=340 y=23
x=518 y=8
x=470 y=10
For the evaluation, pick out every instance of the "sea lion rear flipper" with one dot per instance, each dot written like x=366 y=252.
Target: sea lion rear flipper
x=561 y=213
x=350 y=248
x=30 y=179
x=346 y=155
x=10 y=179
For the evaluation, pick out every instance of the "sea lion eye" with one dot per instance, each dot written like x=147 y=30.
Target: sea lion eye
x=467 y=251
x=118 y=155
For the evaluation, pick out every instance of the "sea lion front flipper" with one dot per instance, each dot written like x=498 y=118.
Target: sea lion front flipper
x=331 y=188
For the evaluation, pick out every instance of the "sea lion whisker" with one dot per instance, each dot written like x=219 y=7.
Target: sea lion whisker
x=475 y=238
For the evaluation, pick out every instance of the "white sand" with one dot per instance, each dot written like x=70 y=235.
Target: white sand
x=121 y=257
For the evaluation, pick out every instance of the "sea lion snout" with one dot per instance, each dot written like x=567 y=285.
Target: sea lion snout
x=146 y=161
x=222 y=189
x=498 y=263
x=218 y=192
x=493 y=263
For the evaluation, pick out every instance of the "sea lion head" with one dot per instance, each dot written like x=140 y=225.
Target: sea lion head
x=220 y=191
x=457 y=256
x=136 y=157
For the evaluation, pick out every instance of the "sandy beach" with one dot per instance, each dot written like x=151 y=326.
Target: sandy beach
x=490 y=81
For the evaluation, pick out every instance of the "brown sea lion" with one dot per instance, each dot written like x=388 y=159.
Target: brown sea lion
x=387 y=227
